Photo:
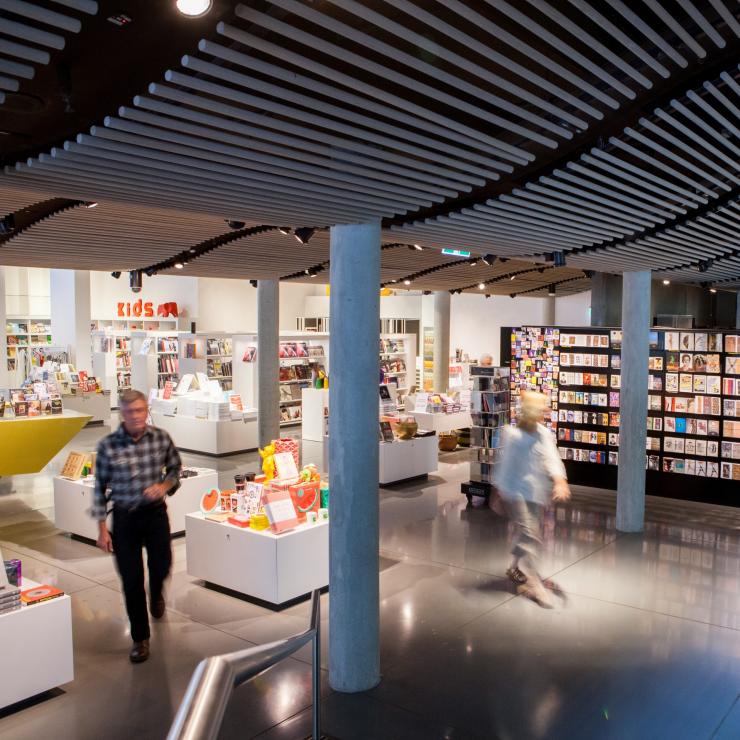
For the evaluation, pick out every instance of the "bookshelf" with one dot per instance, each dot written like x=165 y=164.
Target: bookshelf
x=111 y=360
x=397 y=355
x=155 y=359
x=211 y=353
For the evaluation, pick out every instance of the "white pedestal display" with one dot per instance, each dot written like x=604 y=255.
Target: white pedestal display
x=37 y=651
x=265 y=566
x=222 y=437
x=97 y=405
x=405 y=459
x=314 y=402
x=73 y=499
x=442 y=422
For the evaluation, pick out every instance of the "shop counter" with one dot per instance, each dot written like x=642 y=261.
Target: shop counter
x=37 y=649
x=96 y=405
x=209 y=437
x=29 y=443
x=410 y=458
x=259 y=564
x=73 y=500
x=442 y=422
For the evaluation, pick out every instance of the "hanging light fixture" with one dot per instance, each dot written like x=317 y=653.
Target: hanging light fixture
x=304 y=234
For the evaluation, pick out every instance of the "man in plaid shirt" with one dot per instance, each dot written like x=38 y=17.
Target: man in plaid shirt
x=137 y=467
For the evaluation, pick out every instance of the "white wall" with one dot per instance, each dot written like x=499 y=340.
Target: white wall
x=402 y=306
x=573 y=310
x=27 y=291
x=476 y=321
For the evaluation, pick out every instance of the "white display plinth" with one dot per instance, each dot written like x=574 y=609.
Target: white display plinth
x=73 y=499
x=262 y=565
x=442 y=422
x=96 y=405
x=314 y=401
x=37 y=649
x=405 y=459
x=223 y=437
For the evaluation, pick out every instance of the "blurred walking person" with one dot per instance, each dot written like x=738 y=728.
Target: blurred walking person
x=529 y=477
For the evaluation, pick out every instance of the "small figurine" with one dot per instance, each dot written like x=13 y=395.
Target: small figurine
x=268 y=461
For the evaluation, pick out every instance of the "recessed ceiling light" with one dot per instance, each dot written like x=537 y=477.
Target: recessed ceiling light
x=418 y=247
x=407 y=282
x=179 y=265
x=666 y=282
x=194 y=8
x=91 y=204
x=713 y=290
x=481 y=286
x=513 y=277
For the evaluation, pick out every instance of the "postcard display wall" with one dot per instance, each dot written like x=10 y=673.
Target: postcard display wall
x=693 y=423
x=21 y=336
x=490 y=403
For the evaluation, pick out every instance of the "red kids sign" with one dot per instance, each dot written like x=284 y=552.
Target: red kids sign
x=141 y=308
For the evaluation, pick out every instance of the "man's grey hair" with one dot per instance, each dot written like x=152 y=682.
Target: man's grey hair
x=131 y=396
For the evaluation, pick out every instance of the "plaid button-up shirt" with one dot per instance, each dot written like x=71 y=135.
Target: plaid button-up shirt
x=125 y=468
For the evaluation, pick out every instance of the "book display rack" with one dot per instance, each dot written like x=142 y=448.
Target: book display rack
x=490 y=404
x=398 y=362
x=111 y=360
x=300 y=363
x=208 y=353
x=693 y=415
x=154 y=360
x=22 y=335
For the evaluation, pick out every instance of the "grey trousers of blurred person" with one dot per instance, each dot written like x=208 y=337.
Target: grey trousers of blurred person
x=527 y=519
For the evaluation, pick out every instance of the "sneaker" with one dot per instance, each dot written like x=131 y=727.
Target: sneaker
x=539 y=594
x=516 y=576
x=139 y=652
x=157 y=607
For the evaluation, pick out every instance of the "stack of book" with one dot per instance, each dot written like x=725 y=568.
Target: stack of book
x=10 y=599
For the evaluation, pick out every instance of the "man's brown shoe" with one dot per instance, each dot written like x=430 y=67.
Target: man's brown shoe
x=139 y=652
x=156 y=607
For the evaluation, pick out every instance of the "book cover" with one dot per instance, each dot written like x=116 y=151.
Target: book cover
x=39 y=594
x=280 y=511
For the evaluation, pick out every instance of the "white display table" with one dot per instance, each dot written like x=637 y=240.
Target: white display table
x=96 y=405
x=442 y=422
x=73 y=499
x=404 y=459
x=262 y=565
x=37 y=648
x=223 y=437
x=314 y=425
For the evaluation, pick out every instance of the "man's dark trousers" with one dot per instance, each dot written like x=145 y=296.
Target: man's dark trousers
x=147 y=526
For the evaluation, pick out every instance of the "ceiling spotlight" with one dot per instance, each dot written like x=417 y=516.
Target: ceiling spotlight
x=713 y=290
x=235 y=224
x=7 y=224
x=666 y=282
x=116 y=274
x=407 y=282
x=426 y=292
x=192 y=250
x=304 y=234
x=551 y=290
x=541 y=270
x=459 y=291
x=253 y=283
x=179 y=265
x=91 y=204
x=503 y=259
x=512 y=295
x=394 y=280
x=134 y=281
x=148 y=272
x=513 y=277
x=488 y=295
x=473 y=262
x=704 y=265
x=417 y=247
x=488 y=259
x=284 y=230
x=194 y=8
x=588 y=273
x=452 y=291
x=481 y=286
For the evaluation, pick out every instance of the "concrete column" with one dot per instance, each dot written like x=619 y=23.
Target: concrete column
x=3 y=335
x=70 y=315
x=268 y=362
x=548 y=318
x=354 y=636
x=633 y=401
x=441 y=341
x=606 y=299
x=737 y=311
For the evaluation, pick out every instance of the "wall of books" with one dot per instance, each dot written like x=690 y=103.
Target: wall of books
x=693 y=421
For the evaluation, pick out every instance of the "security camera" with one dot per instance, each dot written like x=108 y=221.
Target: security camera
x=134 y=281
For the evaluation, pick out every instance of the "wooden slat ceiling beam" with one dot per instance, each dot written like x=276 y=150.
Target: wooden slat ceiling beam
x=609 y=132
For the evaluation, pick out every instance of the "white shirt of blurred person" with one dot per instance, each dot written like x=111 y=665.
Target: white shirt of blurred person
x=530 y=476
x=486 y=360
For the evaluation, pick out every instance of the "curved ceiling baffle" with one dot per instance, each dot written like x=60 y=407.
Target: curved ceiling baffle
x=30 y=33
x=602 y=130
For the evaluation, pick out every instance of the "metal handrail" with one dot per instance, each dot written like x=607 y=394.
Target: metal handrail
x=202 y=709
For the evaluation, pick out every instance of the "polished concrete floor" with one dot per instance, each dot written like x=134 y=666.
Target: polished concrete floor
x=645 y=645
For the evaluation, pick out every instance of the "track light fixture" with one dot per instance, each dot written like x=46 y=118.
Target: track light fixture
x=473 y=262
x=426 y=292
x=452 y=291
x=148 y=272
x=704 y=265
x=541 y=270
x=304 y=234
x=488 y=259
x=488 y=295
x=416 y=247
x=7 y=224
x=713 y=290
x=284 y=230
x=236 y=225
x=551 y=290
x=512 y=277
x=588 y=273
x=135 y=280
x=253 y=283
x=116 y=274
x=503 y=259
x=512 y=295
x=407 y=282
x=91 y=204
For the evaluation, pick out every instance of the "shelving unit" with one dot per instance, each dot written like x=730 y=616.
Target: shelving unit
x=297 y=355
x=211 y=353
x=111 y=361
x=155 y=359
x=490 y=411
x=397 y=353
x=23 y=334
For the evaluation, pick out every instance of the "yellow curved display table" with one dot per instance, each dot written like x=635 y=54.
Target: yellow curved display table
x=27 y=444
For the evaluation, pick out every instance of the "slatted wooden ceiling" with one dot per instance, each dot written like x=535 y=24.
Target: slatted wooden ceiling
x=608 y=131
